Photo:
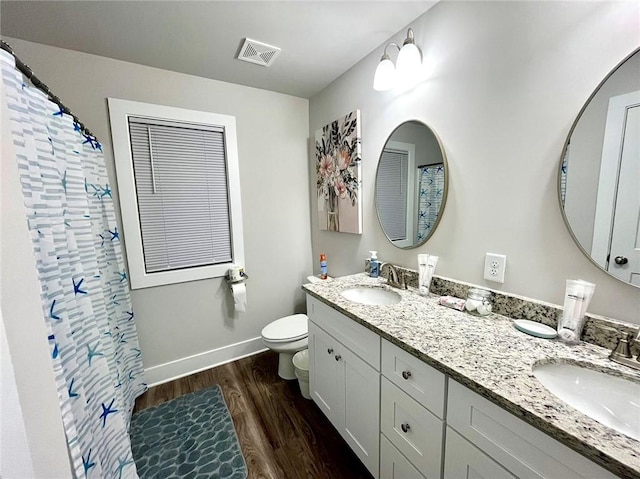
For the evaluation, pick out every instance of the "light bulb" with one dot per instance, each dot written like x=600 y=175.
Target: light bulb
x=385 y=76
x=409 y=61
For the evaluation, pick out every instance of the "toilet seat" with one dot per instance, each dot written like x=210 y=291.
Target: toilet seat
x=287 y=329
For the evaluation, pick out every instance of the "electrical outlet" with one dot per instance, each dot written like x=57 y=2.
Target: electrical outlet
x=494 y=266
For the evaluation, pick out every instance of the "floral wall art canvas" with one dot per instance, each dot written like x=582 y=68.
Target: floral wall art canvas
x=338 y=175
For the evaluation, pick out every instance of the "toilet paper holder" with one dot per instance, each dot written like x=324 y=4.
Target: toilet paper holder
x=236 y=278
x=236 y=275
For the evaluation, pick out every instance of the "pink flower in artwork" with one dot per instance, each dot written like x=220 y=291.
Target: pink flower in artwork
x=341 y=188
x=344 y=159
x=326 y=166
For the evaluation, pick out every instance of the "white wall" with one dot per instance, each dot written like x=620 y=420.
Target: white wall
x=179 y=321
x=427 y=148
x=508 y=81
x=15 y=458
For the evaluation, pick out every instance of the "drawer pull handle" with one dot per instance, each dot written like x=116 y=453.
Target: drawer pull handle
x=338 y=357
x=330 y=351
x=406 y=374
x=405 y=427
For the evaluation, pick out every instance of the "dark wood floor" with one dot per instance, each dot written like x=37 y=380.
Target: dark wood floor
x=282 y=435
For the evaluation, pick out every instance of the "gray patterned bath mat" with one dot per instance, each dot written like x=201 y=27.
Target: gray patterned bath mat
x=189 y=437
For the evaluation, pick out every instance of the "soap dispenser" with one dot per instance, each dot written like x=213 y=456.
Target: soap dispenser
x=374 y=265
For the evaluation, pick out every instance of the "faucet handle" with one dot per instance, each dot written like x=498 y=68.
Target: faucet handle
x=402 y=279
x=395 y=277
x=622 y=354
x=622 y=348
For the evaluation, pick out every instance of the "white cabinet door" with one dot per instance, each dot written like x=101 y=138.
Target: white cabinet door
x=360 y=421
x=393 y=465
x=347 y=391
x=465 y=461
x=323 y=372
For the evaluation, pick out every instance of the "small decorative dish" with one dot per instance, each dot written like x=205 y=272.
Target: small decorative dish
x=535 y=329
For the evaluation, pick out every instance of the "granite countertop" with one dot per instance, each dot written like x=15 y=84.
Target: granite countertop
x=489 y=356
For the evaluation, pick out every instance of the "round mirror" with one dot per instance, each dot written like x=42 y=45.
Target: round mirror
x=411 y=184
x=599 y=174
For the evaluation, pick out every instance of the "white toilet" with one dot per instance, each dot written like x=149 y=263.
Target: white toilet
x=287 y=336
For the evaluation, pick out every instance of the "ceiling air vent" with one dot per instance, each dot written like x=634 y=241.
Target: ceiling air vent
x=259 y=53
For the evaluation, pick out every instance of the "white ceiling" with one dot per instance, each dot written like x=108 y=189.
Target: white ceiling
x=320 y=40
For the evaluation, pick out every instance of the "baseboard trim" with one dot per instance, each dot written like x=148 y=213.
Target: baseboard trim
x=163 y=373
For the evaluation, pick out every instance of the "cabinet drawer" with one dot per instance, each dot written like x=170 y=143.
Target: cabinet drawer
x=419 y=380
x=519 y=447
x=415 y=431
x=362 y=341
x=465 y=461
x=393 y=465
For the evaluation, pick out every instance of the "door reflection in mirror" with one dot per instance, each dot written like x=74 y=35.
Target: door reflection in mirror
x=599 y=177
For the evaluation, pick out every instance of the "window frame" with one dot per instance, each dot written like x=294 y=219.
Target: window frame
x=119 y=113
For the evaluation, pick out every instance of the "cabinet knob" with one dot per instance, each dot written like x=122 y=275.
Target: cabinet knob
x=405 y=427
x=338 y=357
x=406 y=374
x=330 y=351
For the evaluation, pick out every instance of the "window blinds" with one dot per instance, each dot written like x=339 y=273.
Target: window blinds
x=391 y=191
x=181 y=185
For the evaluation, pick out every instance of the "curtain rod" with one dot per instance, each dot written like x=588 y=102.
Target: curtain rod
x=26 y=71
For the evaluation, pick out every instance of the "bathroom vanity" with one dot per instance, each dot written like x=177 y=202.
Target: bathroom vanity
x=422 y=391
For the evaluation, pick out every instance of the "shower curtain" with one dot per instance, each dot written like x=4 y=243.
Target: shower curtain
x=430 y=188
x=85 y=297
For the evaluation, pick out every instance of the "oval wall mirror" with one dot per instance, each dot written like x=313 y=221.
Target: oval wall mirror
x=599 y=174
x=411 y=184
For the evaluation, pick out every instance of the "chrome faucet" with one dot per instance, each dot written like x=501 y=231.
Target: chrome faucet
x=396 y=278
x=622 y=352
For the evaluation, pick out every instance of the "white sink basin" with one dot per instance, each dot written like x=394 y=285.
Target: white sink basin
x=610 y=400
x=371 y=296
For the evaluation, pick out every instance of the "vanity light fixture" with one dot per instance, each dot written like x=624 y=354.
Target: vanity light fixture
x=409 y=61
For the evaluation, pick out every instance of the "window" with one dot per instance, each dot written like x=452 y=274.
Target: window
x=179 y=187
x=395 y=191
